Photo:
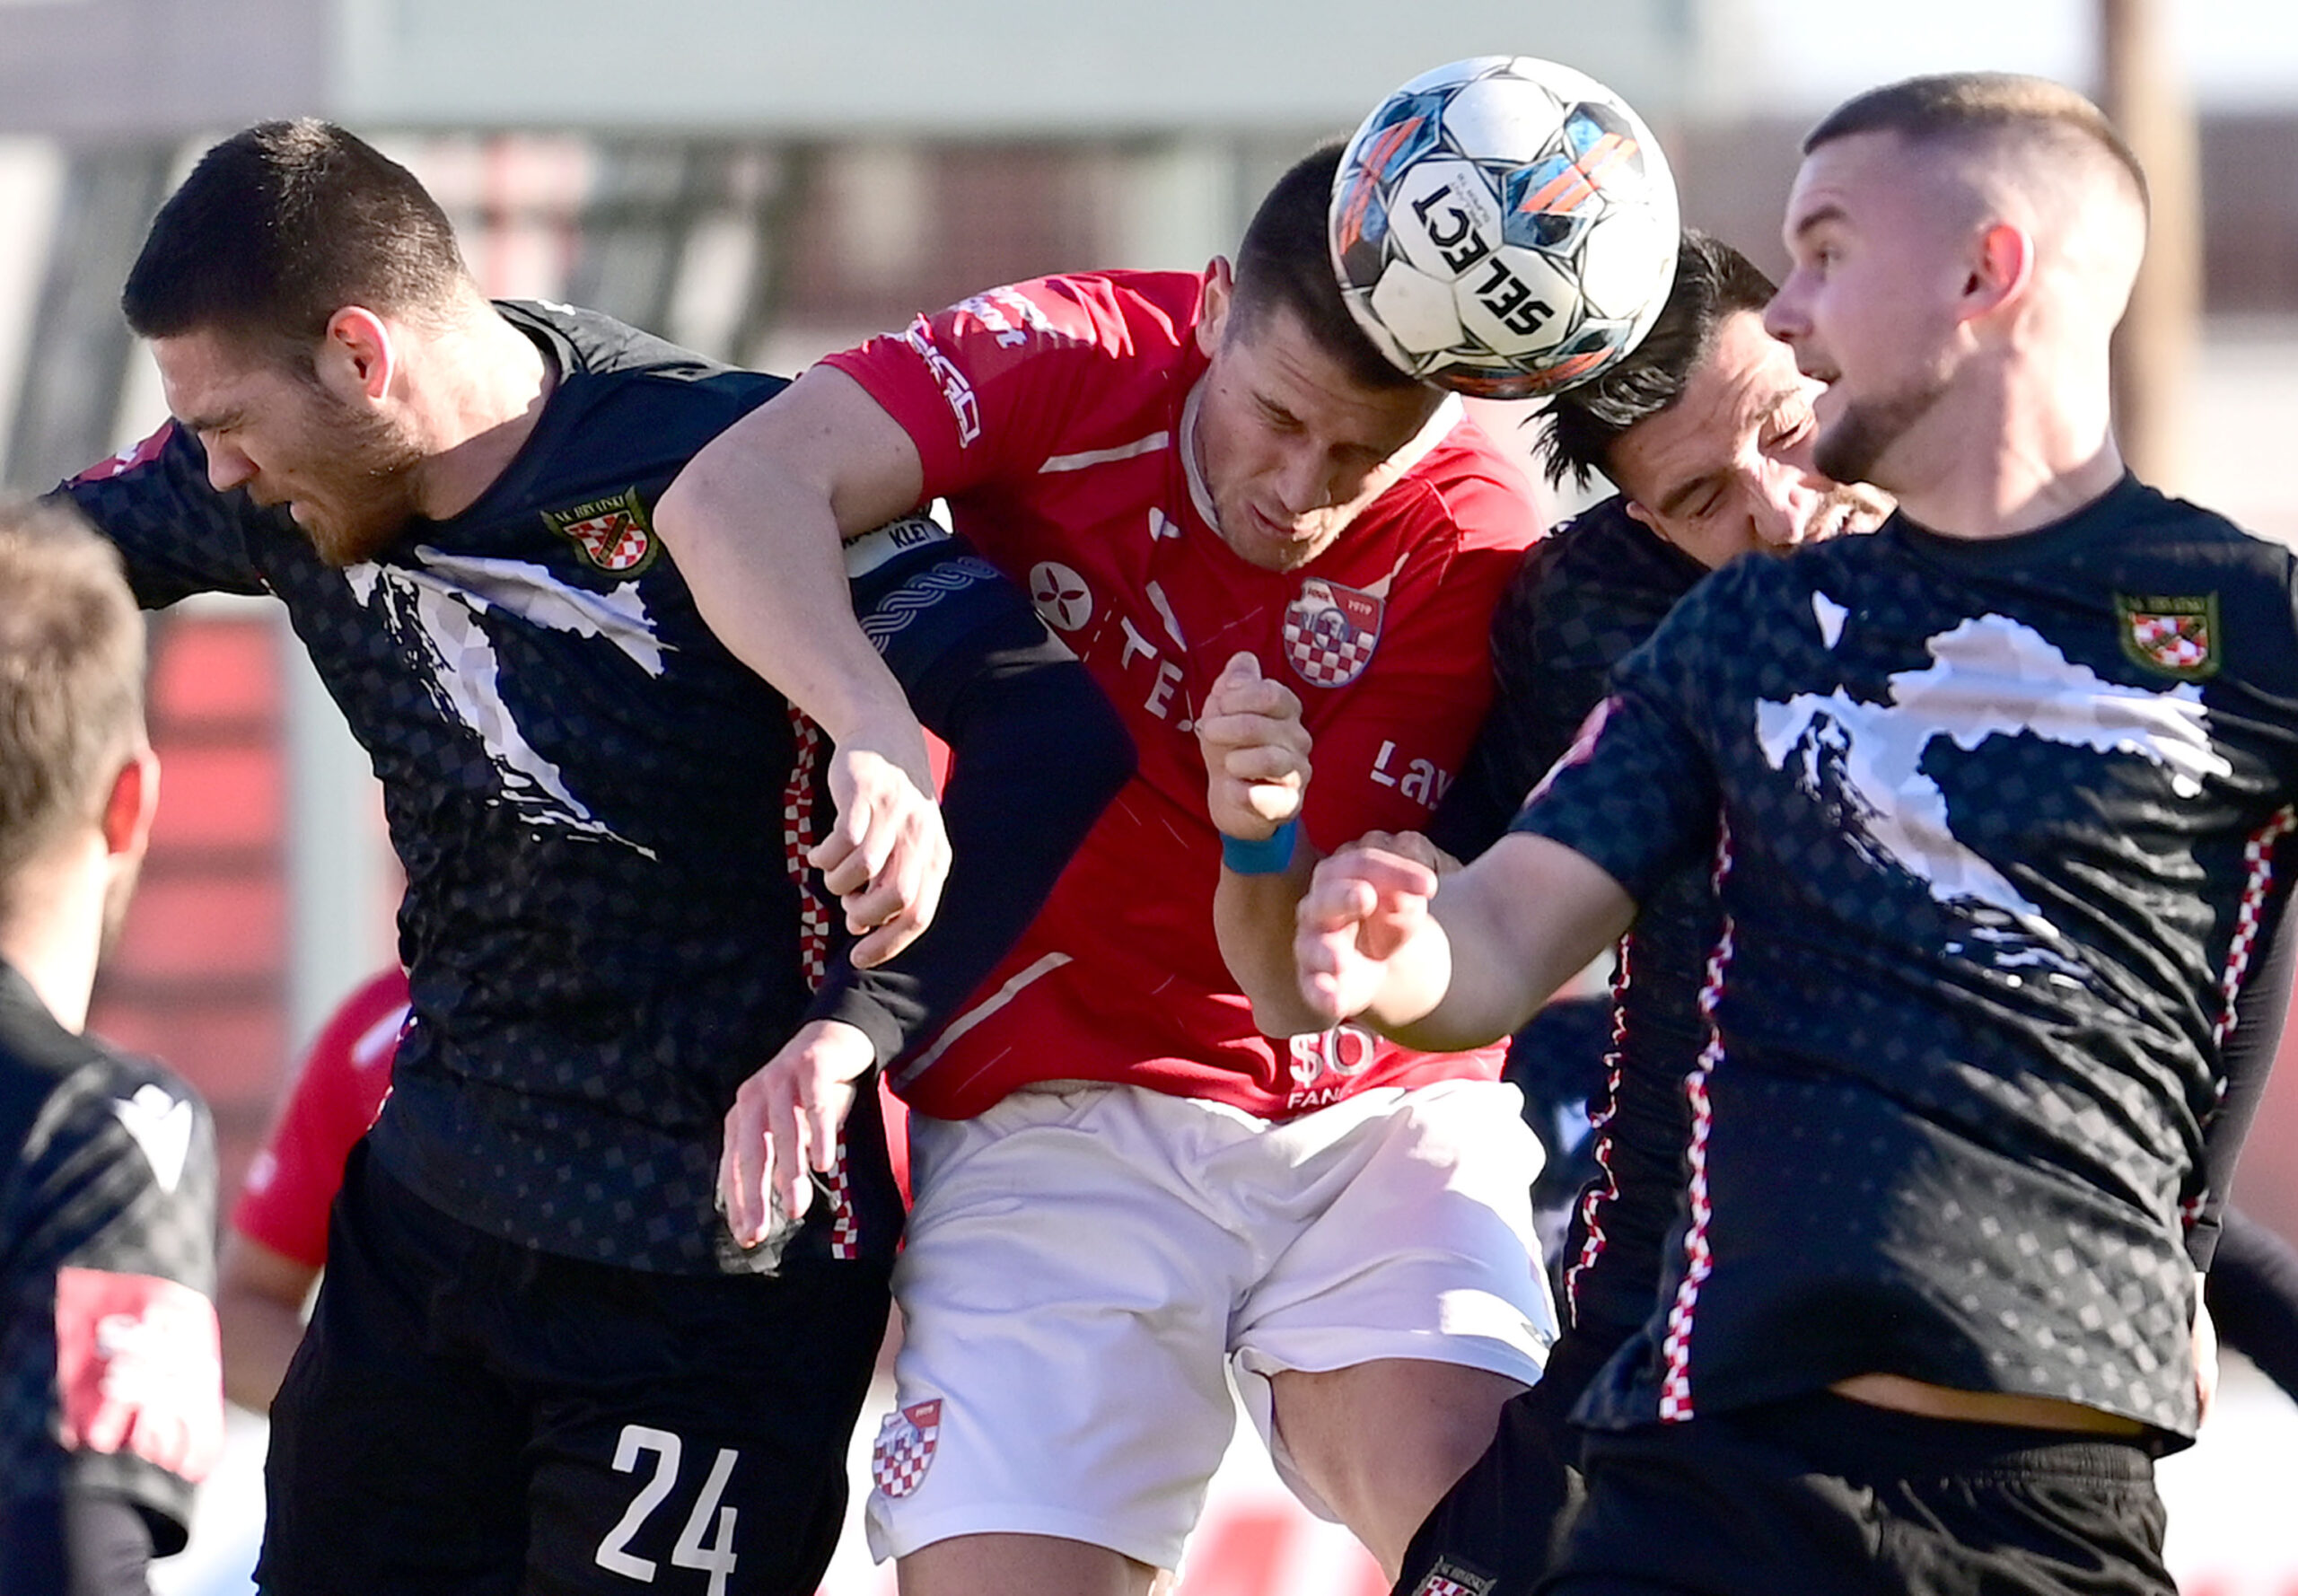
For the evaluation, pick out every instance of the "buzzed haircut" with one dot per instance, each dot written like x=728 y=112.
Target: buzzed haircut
x=1714 y=282
x=71 y=677
x=282 y=225
x=1284 y=260
x=1958 y=105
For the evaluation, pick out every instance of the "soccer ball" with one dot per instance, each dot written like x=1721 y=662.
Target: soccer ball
x=1504 y=226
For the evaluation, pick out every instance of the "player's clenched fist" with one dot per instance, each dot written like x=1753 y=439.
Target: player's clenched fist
x=1363 y=905
x=1256 y=751
x=886 y=856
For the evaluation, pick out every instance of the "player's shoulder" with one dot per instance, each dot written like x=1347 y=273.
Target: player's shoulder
x=62 y=1089
x=1605 y=550
x=364 y=1030
x=1142 y=314
x=590 y=348
x=1462 y=487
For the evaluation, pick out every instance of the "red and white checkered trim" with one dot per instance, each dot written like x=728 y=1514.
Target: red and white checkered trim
x=2257 y=860
x=813 y=937
x=1600 y=1194
x=1675 y=1347
x=797 y=836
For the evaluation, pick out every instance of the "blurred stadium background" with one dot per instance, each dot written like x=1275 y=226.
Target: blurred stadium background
x=765 y=182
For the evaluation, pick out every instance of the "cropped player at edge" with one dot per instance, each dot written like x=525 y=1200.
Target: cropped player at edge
x=537 y=1360
x=1992 y=799
x=112 y=1402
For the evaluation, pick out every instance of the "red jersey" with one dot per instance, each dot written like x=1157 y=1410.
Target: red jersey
x=1054 y=417
x=338 y=1092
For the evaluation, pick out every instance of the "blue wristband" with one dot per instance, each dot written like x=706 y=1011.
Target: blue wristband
x=1272 y=857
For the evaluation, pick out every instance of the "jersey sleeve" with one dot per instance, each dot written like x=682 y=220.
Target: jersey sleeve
x=1389 y=749
x=177 y=534
x=337 y=1092
x=114 y=1209
x=985 y=387
x=1036 y=754
x=1636 y=794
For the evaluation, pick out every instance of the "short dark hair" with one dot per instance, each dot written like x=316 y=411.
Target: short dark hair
x=71 y=677
x=1713 y=281
x=1284 y=260
x=280 y=226
x=1960 y=104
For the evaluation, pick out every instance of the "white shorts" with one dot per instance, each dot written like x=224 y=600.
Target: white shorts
x=1088 y=1267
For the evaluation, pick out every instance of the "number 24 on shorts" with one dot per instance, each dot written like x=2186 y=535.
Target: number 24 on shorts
x=703 y=1544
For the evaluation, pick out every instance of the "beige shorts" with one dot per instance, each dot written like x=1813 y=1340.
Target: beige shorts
x=1088 y=1267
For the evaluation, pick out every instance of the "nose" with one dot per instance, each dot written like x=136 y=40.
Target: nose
x=1306 y=479
x=227 y=467
x=1781 y=507
x=1784 y=318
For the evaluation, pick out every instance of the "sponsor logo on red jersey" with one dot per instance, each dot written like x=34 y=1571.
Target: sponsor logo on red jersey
x=905 y=1447
x=138 y=1370
x=613 y=534
x=965 y=407
x=1061 y=597
x=1331 y=632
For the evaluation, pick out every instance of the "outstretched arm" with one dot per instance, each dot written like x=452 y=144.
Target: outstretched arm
x=1450 y=969
x=754 y=522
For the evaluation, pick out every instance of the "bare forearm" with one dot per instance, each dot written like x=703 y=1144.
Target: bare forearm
x=1502 y=936
x=1253 y=920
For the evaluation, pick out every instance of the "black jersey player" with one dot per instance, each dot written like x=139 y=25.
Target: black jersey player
x=1990 y=800
x=1700 y=428
x=537 y=1360
x=111 y=1391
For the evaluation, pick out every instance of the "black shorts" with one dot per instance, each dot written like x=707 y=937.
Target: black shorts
x=470 y=1416
x=1495 y=1531
x=1825 y=1496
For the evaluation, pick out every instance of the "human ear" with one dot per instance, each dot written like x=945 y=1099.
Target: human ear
x=359 y=351
x=2002 y=265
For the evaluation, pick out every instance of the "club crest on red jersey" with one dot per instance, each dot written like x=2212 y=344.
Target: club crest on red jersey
x=613 y=534
x=904 y=1447
x=2175 y=634
x=1448 y=1578
x=1331 y=632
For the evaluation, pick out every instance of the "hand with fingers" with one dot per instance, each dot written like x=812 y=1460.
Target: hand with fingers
x=1412 y=846
x=886 y=856
x=1256 y=751
x=1363 y=905
x=783 y=1128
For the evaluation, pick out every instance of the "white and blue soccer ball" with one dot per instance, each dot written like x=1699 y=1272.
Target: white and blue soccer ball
x=1504 y=226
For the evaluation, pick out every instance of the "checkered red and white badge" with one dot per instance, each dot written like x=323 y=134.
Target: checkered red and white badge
x=904 y=1447
x=1331 y=632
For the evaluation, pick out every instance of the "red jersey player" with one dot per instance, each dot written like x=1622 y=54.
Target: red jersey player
x=1211 y=485
x=277 y=1242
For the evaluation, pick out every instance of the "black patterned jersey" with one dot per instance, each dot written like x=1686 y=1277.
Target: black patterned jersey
x=1993 y=827
x=1584 y=597
x=601 y=812
x=110 y=1379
